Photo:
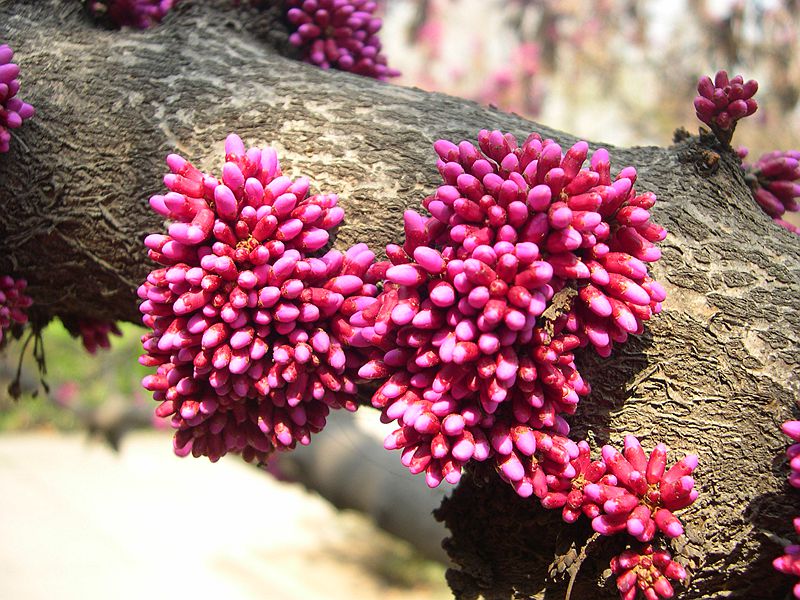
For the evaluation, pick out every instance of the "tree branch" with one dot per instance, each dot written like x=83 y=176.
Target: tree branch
x=715 y=373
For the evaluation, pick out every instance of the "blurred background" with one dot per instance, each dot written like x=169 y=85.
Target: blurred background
x=95 y=505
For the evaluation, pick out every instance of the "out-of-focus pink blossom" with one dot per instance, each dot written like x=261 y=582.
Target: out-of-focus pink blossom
x=339 y=34
x=139 y=14
x=13 y=303
x=515 y=86
x=94 y=333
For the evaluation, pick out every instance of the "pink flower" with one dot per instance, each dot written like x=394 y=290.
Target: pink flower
x=339 y=34
x=13 y=111
x=722 y=102
x=13 y=303
x=139 y=14
x=648 y=570
x=248 y=334
x=646 y=494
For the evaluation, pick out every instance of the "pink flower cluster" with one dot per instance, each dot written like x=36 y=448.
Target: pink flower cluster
x=645 y=496
x=792 y=429
x=722 y=102
x=13 y=302
x=248 y=327
x=339 y=34
x=789 y=563
x=774 y=181
x=139 y=14
x=94 y=333
x=475 y=367
x=648 y=570
x=13 y=111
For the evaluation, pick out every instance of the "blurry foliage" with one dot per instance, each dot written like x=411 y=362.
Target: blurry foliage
x=78 y=381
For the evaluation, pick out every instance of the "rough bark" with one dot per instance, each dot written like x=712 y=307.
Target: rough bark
x=715 y=373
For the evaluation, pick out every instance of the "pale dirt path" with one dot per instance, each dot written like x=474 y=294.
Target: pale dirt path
x=79 y=522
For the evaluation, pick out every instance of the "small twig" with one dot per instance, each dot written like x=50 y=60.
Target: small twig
x=15 y=387
x=38 y=355
x=578 y=562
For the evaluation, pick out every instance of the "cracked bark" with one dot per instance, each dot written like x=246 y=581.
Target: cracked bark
x=715 y=373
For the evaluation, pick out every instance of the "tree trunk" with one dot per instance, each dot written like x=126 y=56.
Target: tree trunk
x=715 y=373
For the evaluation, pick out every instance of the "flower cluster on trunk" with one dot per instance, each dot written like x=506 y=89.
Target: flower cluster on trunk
x=647 y=570
x=95 y=333
x=470 y=327
x=13 y=111
x=248 y=326
x=526 y=256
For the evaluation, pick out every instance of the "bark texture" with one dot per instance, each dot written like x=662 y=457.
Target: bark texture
x=715 y=373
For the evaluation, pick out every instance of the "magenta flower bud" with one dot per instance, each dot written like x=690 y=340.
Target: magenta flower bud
x=667 y=523
x=511 y=467
x=429 y=259
x=406 y=275
x=446 y=150
x=792 y=429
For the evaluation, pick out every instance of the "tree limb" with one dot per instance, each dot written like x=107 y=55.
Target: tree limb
x=715 y=373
